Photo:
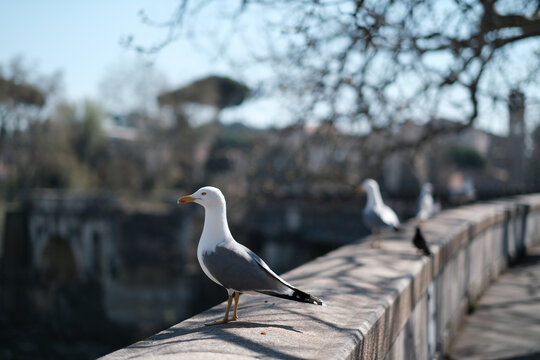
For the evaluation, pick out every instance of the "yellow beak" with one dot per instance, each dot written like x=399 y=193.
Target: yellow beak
x=359 y=190
x=185 y=199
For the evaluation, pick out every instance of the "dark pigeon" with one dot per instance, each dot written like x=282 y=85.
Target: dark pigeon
x=419 y=242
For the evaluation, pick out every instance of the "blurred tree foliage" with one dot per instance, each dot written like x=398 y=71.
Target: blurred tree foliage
x=70 y=150
x=69 y=146
x=466 y=157
x=74 y=146
x=91 y=144
x=55 y=162
x=27 y=94
x=22 y=96
x=218 y=91
x=62 y=151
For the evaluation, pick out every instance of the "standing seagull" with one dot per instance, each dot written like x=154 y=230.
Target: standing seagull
x=425 y=206
x=420 y=242
x=231 y=264
x=377 y=216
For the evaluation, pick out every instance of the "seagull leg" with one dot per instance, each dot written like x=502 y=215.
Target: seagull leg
x=375 y=243
x=236 y=298
x=226 y=318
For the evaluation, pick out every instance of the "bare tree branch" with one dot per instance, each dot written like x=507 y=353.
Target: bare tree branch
x=383 y=62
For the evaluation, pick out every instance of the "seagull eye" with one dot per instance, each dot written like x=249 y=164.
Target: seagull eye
x=203 y=193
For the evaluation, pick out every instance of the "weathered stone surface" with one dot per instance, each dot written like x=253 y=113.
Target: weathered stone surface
x=505 y=323
x=377 y=299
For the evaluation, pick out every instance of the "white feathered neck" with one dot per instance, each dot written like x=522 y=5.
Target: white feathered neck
x=374 y=198
x=216 y=228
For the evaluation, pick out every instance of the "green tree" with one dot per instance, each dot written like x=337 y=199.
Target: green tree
x=91 y=139
x=23 y=95
x=466 y=157
x=216 y=91
x=56 y=161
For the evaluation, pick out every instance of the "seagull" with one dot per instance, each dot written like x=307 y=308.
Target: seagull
x=420 y=242
x=231 y=264
x=377 y=216
x=425 y=207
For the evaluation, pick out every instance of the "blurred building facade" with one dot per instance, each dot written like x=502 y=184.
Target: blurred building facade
x=471 y=158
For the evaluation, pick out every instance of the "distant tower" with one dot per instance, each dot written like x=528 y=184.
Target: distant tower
x=516 y=139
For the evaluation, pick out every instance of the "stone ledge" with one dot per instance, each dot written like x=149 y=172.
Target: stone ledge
x=371 y=295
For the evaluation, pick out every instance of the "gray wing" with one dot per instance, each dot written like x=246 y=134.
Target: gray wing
x=373 y=220
x=238 y=268
x=424 y=208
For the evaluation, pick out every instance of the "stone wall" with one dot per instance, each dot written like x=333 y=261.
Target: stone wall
x=87 y=266
x=92 y=264
x=387 y=303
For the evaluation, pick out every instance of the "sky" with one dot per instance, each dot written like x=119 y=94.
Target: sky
x=79 y=38
x=82 y=40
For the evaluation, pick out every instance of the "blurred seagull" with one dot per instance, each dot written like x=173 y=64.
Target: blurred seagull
x=425 y=206
x=377 y=216
x=420 y=242
x=231 y=264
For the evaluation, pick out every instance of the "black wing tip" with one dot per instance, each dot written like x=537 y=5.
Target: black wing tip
x=316 y=301
x=300 y=296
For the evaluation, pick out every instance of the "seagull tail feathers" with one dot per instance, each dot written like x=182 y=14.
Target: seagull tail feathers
x=297 y=295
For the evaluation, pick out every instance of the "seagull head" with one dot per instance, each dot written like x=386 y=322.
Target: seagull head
x=207 y=196
x=427 y=188
x=370 y=186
